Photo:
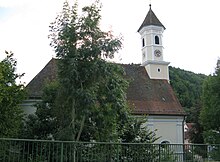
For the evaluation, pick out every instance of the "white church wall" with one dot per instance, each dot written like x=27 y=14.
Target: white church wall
x=158 y=71
x=168 y=128
x=28 y=106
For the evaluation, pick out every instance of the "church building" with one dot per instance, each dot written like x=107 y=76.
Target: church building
x=149 y=92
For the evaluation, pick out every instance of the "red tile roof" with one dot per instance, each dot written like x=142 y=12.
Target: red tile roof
x=150 y=96
x=145 y=95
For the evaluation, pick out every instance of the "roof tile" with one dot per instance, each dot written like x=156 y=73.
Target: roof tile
x=145 y=95
x=151 y=19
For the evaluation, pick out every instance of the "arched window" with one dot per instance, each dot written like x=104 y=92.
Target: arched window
x=157 y=41
x=143 y=42
x=164 y=143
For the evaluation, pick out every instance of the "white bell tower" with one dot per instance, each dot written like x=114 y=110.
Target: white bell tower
x=151 y=31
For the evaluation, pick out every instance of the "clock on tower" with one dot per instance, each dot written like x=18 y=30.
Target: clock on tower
x=157 y=53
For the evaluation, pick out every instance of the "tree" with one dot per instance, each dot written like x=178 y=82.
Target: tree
x=195 y=133
x=211 y=108
x=91 y=90
x=88 y=102
x=11 y=95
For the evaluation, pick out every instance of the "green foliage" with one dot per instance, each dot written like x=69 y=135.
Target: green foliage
x=211 y=108
x=195 y=133
x=214 y=153
x=167 y=153
x=133 y=131
x=91 y=91
x=11 y=96
x=187 y=86
x=42 y=124
x=88 y=102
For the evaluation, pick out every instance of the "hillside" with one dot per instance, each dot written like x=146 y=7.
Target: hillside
x=187 y=86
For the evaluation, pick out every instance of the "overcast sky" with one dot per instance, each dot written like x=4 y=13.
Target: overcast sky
x=191 y=39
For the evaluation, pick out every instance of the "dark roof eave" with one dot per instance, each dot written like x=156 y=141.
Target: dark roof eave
x=154 y=114
x=149 y=25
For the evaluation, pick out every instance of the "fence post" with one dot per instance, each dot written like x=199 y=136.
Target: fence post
x=117 y=152
x=159 y=153
x=192 y=152
x=61 y=154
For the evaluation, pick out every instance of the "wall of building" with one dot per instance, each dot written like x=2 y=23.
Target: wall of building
x=168 y=128
x=28 y=106
x=153 y=72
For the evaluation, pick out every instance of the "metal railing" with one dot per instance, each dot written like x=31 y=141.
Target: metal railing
x=23 y=150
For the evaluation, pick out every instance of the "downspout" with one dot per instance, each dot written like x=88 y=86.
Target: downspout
x=184 y=117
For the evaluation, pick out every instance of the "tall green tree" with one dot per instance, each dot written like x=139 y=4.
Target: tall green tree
x=211 y=108
x=196 y=132
x=90 y=102
x=11 y=95
x=91 y=90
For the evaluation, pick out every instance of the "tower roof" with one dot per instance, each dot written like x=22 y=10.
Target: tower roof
x=151 y=19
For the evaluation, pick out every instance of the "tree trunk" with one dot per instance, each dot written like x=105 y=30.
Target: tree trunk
x=73 y=119
x=81 y=128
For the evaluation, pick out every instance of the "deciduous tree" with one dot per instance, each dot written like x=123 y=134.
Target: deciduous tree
x=211 y=108
x=89 y=102
x=11 y=95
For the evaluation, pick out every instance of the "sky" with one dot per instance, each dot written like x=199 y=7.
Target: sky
x=191 y=39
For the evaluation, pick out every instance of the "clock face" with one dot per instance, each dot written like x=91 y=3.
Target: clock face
x=157 y=53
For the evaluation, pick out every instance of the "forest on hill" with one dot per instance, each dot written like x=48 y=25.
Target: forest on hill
x=188 y=88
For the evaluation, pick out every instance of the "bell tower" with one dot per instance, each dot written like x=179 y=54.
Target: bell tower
x=151 y=31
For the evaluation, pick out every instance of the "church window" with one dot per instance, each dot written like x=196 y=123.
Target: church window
x=157 y=40
x=143 y=42
x=163 y=143
x=158 y=69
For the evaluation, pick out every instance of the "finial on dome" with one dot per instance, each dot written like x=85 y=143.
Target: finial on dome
x=150 y=3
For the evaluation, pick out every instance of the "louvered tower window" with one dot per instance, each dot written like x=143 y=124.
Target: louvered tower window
x=157 y=40
x=143 y=42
